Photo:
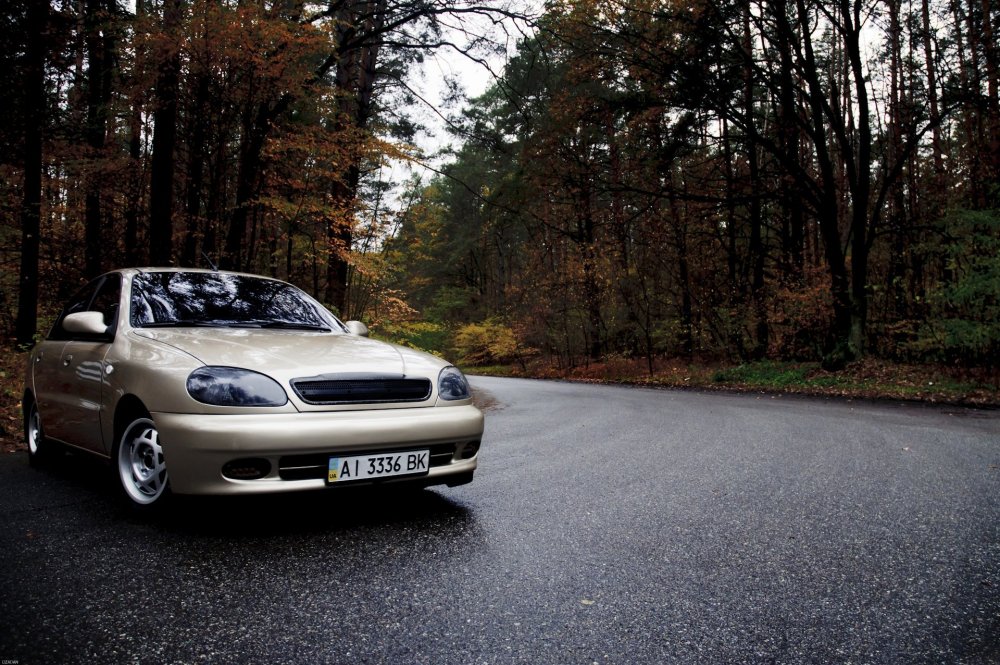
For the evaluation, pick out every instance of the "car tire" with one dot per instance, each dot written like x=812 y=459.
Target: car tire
x=40 y=449
x=142 y=472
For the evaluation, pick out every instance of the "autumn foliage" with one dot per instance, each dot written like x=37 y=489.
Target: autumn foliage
x=726 y=180
x=248 y=135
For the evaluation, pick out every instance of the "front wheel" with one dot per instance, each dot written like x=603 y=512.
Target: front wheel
x=141 y=469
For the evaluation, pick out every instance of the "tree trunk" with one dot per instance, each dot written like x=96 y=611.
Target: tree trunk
x=161 y=196
x=31 y=202
x=792 y=218
x=932 y=97
x=591 y=289
x=134 y=180
x=863 y=220
x=195 y=172
x=678 y=225
x=991 y=54
x=255 y=133
x=972 y=82
x=134 y=189
x=355 y=87
x=737 y=292
x=99 y=46
x=756 y=249
x=840 y=347
x=896 y=212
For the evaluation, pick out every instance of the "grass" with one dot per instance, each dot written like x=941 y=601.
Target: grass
x=866 y=379
x=492 y=370
x=764 y=374
x=870 y=377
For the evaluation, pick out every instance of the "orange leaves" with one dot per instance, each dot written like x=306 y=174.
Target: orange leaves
x=259 y=48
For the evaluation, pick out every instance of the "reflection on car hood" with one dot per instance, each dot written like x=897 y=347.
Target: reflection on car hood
x=283 y=353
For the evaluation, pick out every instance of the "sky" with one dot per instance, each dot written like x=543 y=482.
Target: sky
x=473 y=77
x=430 y=82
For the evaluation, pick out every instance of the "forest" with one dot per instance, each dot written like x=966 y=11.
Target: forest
x=644 y=179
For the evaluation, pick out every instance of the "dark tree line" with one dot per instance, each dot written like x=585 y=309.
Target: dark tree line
x=766 y=178
x=745 y=179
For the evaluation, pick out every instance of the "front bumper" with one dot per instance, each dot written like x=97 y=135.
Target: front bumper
x=196 y=447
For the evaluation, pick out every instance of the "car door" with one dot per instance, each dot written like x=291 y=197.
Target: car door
x=70 y=370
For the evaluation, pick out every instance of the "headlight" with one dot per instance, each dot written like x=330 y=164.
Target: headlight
x=230 y=386
x=452 y=384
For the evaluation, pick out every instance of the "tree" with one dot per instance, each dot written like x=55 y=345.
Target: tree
x=34 y=110
x=359 y=23
x=687 y=172
x=161 y=197
x=99 y=16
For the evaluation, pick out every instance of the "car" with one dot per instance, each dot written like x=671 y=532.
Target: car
x=200 y=382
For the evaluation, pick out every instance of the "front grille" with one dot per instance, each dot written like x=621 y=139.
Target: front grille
x=361 y=389
x=314 y=466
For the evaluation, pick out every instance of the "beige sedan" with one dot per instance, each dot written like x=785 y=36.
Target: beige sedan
x=209 y=382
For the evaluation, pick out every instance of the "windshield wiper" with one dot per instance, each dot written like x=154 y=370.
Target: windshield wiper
x=292 y=325
x=226 y=323
x=183 y=323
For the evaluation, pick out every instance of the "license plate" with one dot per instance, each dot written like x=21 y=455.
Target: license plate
x=382 y=465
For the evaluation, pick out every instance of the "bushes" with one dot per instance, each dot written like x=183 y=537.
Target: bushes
x=421 y=335
x=963 y=322
x=489 y=342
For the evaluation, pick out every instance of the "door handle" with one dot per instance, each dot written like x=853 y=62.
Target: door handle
x=67 y=360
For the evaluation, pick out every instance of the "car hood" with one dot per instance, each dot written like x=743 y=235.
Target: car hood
x=286 y=354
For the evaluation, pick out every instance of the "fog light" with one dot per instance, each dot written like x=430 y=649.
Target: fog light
x=250 y=468
x=469 y=450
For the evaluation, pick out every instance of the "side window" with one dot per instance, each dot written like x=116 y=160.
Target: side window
x=107 y=299
x=79 y=302
x=101 y=295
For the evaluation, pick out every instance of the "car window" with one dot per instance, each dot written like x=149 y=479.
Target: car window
x=82 y=298
x=101 y=295
x=221 y=299
x=107 y=299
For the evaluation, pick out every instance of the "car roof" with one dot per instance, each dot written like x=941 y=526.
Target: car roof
x=152 y=269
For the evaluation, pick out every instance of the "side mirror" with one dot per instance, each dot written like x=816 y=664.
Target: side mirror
x=85 y=323
x=357 y=328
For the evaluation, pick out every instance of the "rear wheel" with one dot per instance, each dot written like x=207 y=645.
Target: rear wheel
x=40 y=449
x=141 y=469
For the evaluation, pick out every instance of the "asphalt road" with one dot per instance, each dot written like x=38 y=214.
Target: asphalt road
x=605 y=525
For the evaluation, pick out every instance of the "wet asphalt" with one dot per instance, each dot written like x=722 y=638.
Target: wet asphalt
x=605 y=525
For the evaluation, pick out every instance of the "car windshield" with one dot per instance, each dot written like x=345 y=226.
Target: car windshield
x=182 y=299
